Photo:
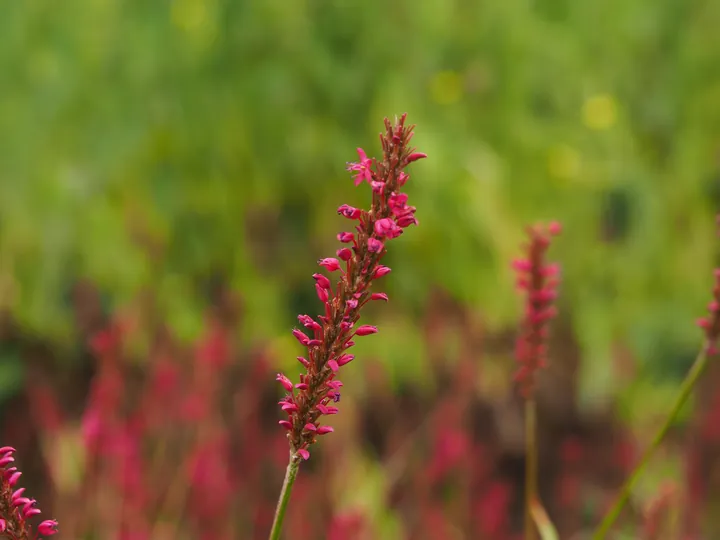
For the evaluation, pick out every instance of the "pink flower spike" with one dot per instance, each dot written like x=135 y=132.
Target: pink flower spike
x=346 y=237
x=374 y=245
x=310 y=427
x=322 y=430
x=381 y=271
x=303 y=453
x=282 y=379
x=366 y=330
x=379 y=296
x=48 y=527
x=287 y=425
x=415 y=156
x=301 y=337
x=333 y=365
x=344 y=254
x=329 y=264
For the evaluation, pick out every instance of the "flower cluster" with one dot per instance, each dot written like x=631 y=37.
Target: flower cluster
x=711 y=323
x=15 y=508
x=358 y=262
x=538 y=280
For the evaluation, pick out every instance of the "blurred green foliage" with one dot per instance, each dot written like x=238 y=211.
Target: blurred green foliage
x=164 y=144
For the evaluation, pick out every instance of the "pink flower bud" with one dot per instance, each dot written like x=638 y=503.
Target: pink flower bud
x=366 y=330
x=387 y=227
x=303 y=453
x=521 y=265
x=345 y=254
x=303 y=361
x=289 y=407
x=346 y=237
x=302 y=386
x=345 y=359
x=377 y=187
x=310 y=427
x=287 y=425
x=302 y=338
x=381 y=271
x=415 y=156
x=322 y=430
x=322 y=281
x=31 y=512
x=349 y=212
x=379 y=296
x=287 y=384
x=322 y=293
x=374 y=245
x=330 y=264
x=48 y=527
x=406 y=221
x=12 y=480
x=333 y=365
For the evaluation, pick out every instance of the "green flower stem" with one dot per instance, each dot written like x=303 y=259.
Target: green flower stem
x=530 y=466
x=685 y=389
x=290 y=475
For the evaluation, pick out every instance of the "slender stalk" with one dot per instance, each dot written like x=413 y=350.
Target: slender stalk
x=290 y=475
x=685 y=389
x=530 y=466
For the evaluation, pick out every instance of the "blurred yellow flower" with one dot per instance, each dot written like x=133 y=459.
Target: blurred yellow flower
x=563 y=162
x=600 y=111
x=446 y=87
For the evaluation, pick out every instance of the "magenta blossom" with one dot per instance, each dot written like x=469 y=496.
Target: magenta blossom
x=331 y=334
x=363 y=168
